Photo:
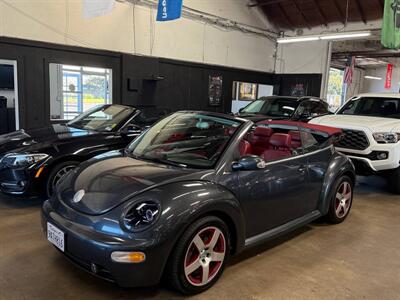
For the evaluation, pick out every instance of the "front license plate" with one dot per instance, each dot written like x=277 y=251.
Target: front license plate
x=55 y=236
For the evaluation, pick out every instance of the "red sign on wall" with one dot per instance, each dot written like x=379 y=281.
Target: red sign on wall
x=389 y=73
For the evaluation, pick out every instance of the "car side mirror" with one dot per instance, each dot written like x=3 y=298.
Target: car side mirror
x=131 y=129
x=249 y=163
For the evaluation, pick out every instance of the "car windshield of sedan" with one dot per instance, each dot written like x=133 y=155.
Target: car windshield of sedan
x=373 y=107
x=102 y=118
x=185 y=140
x=272 y=107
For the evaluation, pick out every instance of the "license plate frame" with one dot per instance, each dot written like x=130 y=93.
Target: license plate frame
x=56 y=236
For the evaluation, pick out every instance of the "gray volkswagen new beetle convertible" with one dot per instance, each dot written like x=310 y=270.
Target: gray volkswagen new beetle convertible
x=193 y=190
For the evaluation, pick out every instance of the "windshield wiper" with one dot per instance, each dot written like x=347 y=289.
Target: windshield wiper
x=159 y=160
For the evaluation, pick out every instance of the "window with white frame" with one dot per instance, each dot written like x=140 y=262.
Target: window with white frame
x=75 y=89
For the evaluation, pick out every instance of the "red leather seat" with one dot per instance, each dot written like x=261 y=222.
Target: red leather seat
x=259 y=139
x=245 y=148
x=296 y=139
x=176 y=137
x=280 y=147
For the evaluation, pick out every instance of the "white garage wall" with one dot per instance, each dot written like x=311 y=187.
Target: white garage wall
x=313 y=57
x=309 y=57
x=378 y=86
x=132 y=29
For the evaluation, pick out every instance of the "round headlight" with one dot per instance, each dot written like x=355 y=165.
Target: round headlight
x=140 y=216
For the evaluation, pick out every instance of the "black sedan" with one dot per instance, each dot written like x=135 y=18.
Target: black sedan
x=193 y=190
x=32 y=162
x=301 y=109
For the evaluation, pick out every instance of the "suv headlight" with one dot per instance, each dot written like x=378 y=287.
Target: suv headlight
x=141 y=215
x=22 y=160
x=387 y=137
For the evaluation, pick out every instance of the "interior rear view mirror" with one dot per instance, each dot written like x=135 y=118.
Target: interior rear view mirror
x=249 y=163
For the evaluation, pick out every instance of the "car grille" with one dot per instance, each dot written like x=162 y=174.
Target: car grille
x=353 y=139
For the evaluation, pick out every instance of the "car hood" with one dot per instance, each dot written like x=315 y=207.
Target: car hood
x=21 y=140
x=110 y=182
x=373 y=124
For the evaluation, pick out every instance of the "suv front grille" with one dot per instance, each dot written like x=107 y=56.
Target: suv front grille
x=353 y=139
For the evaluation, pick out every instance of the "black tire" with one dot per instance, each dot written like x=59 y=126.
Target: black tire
x=338 y=214
x=54 y=173
x=393 y=179
x=174 y=274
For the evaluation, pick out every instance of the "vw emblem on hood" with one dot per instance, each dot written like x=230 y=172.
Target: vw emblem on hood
x=78 y=196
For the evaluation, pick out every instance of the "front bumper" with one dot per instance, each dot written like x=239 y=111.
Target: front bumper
x=91 y=250
x=368 y=159
x=20 y=181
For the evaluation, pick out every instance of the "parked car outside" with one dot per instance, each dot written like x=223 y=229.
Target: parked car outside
x=194 y=189
x=301 y=109
x=371 y=126
x=33 y=161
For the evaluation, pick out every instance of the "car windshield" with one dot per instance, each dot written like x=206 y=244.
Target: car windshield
x=102 y=118
x=185 y=139
x=272 y=107
x=373 y=107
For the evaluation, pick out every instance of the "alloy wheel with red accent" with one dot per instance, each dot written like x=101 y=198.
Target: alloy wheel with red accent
x=205 y=256
x=199 y=257
x=341 y=200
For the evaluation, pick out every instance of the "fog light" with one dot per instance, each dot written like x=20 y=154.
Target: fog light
x=382 y=155
x=128 y=257
x=22 y=183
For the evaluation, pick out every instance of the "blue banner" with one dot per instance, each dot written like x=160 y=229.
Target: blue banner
x=169 y=10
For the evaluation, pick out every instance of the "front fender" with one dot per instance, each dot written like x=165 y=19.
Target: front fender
x=339 y=165
x=184 y=202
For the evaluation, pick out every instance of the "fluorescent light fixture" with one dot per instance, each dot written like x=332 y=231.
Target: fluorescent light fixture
x=328 y=36
x=299 y=39
x=339 y=36
x=373 y=77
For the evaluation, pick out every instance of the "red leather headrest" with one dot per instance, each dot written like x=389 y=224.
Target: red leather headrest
x=295 y=135
x=280 y=140
x=263 y=131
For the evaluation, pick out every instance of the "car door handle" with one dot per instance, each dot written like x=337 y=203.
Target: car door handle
x=302 y=169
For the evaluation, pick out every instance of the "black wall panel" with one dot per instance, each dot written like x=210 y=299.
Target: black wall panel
x=137 y=80
x=311 y=84
x=33 y=60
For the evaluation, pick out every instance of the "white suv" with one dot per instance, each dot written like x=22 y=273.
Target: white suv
x=371 y=126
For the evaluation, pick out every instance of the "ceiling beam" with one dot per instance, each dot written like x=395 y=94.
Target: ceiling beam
x=342 y=16
x=361 y=11
x=287 y=19
x=321 y=13
x=266 y=3
x=294 y=2
x=381 y=4
x=369 y=54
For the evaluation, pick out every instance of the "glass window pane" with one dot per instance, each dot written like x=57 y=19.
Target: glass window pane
x=75 y=89
x=68 y=67
x=94 y=70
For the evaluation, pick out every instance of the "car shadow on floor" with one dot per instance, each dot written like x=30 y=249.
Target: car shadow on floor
x=19 y=202
x=372 y=184
x=268 y=245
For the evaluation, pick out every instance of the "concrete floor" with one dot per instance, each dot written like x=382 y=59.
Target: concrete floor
x=359 y=259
